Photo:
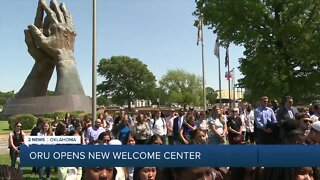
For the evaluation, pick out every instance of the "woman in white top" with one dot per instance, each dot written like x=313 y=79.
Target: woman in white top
x=248 y=116
x=202 y=124
x=218 y=127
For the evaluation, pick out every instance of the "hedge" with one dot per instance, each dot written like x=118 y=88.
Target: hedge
x=61 y=114
x=27 y=121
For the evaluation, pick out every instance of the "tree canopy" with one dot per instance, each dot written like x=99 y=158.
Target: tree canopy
x=281 y=40
x=211 y=95
x=126 y=79
x=102 y=100
x=182 y=87
x=5 y=96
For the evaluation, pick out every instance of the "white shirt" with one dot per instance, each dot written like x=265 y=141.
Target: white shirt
x=249 y=120
x=159 y=127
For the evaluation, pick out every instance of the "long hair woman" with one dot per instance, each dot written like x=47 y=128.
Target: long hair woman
x=142 y=130
x=218 y=127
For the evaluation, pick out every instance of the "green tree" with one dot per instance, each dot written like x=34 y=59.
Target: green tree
x=126 y=79
x=102 y=100
x=281 y=40
x=182 y=87
x=50 y=93
x=211 y=95
x=5 y=96
x=159 y=94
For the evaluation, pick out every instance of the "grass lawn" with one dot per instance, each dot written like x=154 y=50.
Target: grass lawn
x=4 y=127
x=27 y=175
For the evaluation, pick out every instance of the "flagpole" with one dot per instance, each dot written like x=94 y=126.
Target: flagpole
x=229 y=85
x=220 y=99
x=234 y=88
x=94 y=69
x=203 y=79
x=200 y=39
x=203 y=74
x=217 y=53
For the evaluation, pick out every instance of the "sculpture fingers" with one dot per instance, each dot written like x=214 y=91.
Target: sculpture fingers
x=55 y=7
x=38 y=37
x=50 y=13
x=29 y=42
x=46 y=26
x=67 y=16
x=37 y=54
x=39 y=16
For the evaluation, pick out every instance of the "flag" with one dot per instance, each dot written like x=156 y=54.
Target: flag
x=226 y=63
x=216 y=48
x=229 y=75
x=200 y=32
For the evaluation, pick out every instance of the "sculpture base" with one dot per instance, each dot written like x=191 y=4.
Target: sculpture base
x=44 y=104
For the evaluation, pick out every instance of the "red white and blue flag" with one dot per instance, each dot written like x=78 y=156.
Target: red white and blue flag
x=229 y=75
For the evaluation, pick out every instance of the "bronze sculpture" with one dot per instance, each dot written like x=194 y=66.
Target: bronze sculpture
x=50 y=42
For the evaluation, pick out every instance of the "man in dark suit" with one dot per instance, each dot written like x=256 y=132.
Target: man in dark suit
x=177 y=124
x=287 y=112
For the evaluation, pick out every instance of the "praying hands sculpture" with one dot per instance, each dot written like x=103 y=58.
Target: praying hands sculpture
x=50 y=42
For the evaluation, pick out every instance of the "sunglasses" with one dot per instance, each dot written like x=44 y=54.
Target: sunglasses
x=307 y=121
x=18 y=126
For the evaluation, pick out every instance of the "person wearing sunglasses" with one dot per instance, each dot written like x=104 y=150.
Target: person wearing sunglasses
x=235 y=127
x=304 y=122
x=15 y=140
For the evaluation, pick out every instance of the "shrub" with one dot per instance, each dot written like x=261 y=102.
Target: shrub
x=76 y=114
x=27 y=121
x=59 y=114
x=81 y=115
x=49 y=120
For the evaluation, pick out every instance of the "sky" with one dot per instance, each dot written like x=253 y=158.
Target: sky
x=160 y=33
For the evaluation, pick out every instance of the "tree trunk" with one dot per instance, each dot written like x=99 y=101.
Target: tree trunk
x=129 y=104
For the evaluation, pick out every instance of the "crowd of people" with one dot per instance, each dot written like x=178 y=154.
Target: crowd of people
x=265 y=124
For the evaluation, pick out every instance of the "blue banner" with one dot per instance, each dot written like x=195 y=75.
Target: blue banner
x=170 y=156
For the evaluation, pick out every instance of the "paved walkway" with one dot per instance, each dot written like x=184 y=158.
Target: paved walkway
x=4 y=144
x=4 y=139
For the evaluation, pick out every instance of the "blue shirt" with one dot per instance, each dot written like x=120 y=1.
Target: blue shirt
x=264 y=116
x=123 y=133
